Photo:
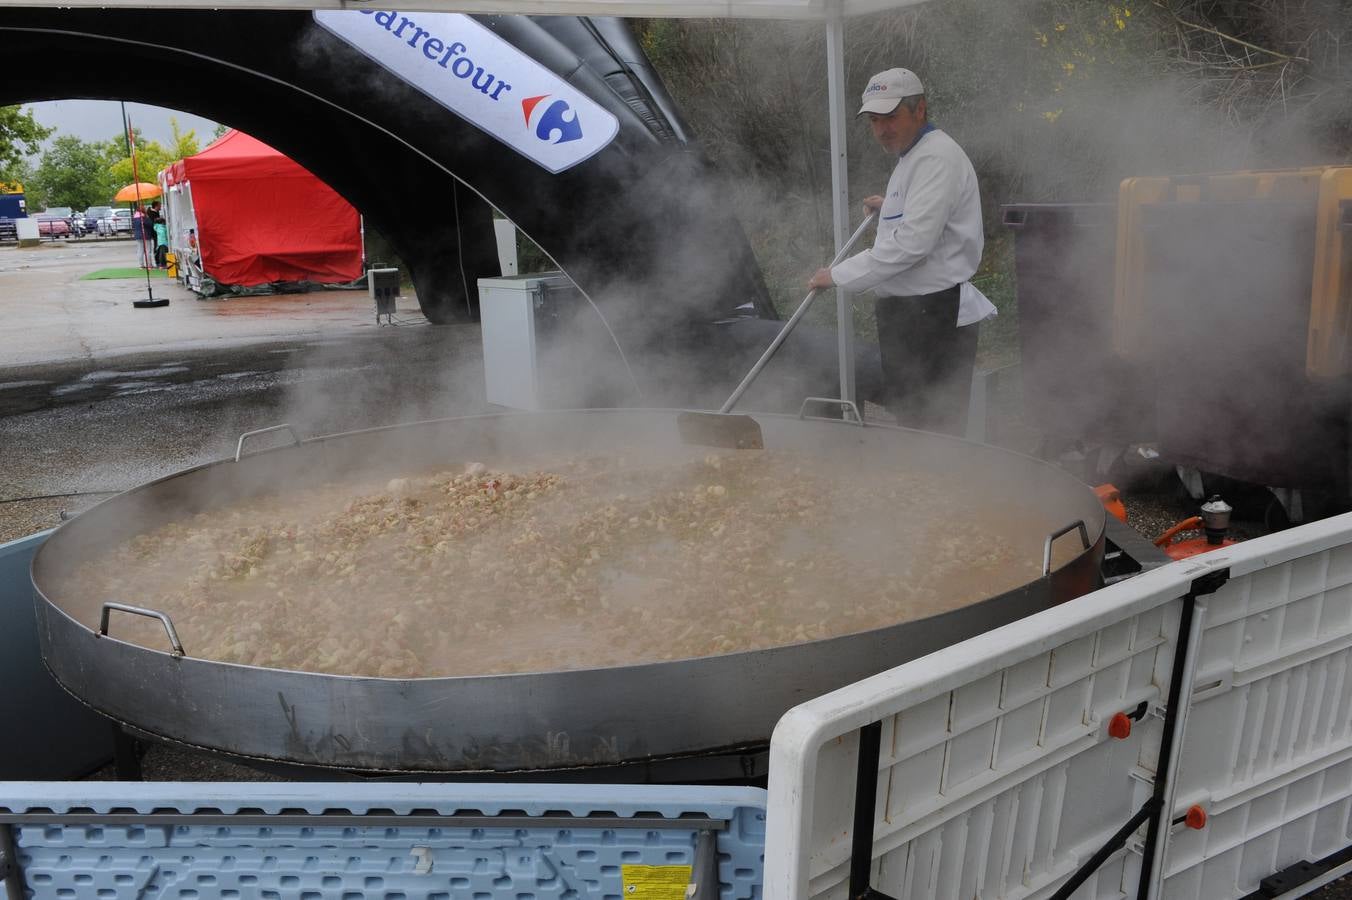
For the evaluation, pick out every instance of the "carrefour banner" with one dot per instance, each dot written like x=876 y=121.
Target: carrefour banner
x=483 y=79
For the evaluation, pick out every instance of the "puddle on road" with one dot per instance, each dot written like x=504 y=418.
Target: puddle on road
x=274 y=305
x=129 y=388
x=122 y=381
x=113 y=374
x=16 y=385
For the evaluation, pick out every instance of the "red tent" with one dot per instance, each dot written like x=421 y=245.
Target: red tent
x=261 y=218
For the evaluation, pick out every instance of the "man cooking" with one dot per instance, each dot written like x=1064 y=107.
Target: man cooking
x=928 y=245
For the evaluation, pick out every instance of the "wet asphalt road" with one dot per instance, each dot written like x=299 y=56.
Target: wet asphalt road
x=96 y=396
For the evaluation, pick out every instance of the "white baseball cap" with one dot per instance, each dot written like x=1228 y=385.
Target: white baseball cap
x=886 y=89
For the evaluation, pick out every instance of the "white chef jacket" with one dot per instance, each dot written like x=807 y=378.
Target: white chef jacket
x=930 y=233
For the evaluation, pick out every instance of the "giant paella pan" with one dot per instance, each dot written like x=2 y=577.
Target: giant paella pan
x=543 y=591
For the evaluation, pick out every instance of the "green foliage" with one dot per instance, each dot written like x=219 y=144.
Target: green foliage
x=79 y=174
x=1053 y=100
x=151 y=156
x=72 y=173
x=22 y=174
x=184 y=143
x=999 y=341
x=20 y=135
x=380 y=252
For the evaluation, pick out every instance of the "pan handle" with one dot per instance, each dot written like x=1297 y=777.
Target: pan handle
x=1051 y=538
x=239 y=448
x=109 y=606
x=848 y=411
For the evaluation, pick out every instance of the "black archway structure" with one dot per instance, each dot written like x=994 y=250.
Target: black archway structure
x=644 y=227
x=391 y=151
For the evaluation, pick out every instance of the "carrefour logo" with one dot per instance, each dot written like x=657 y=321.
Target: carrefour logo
x=558 y=124
x=471 y=71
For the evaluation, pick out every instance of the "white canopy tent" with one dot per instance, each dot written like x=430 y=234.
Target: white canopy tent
x=831 y=13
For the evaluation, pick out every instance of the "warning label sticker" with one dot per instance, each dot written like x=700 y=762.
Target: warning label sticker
x=655 y=882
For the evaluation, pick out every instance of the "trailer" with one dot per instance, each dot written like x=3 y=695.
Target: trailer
x=13 y=206
x=12 y=202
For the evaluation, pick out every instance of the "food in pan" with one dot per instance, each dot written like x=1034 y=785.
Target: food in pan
x=478 y=568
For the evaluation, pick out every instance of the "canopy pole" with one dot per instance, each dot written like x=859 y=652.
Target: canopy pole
x=840 y=188
x=149 y=302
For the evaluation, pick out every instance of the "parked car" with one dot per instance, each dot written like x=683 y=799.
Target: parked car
x=95 y=219
x=119 y=221
x=56 y=221
x=53 y=226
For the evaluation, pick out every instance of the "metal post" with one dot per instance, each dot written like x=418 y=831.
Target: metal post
x=840 y=187
x=1190 y=625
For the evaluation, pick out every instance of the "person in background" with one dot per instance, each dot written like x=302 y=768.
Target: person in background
x=928 y=245
x=161 y=244
x=190 y=269
x=143 y=232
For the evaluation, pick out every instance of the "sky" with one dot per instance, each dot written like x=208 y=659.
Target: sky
x=98 y=120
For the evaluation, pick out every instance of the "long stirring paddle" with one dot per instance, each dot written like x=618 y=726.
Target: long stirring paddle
x=722 y=430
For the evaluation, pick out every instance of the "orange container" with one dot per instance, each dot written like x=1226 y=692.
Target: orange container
x=1321 y=186
x=1329 y=352
x=1237 y=289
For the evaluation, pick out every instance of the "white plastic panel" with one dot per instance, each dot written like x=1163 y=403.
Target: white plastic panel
x=997 y=777
x=1268 y=749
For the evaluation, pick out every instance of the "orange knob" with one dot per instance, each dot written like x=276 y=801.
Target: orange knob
x=1195 y=818
x=1111 y=498
x=1119 y=726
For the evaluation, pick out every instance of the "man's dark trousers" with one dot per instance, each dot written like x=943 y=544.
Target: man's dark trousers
x=927 y=360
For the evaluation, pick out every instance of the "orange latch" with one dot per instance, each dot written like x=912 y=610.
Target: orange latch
x=1111 y=498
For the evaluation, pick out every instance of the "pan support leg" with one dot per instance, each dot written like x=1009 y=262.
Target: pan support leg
x=126 y=754
x=11 y=877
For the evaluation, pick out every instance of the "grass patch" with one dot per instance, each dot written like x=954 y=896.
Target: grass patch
x=999 y=341
x=129 y=272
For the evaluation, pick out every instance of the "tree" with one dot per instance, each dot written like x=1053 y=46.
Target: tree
x=73 y=173
x=21 y=173
x=151 y=156
x=185 y=142
x=219 y=132
x=20 y=137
